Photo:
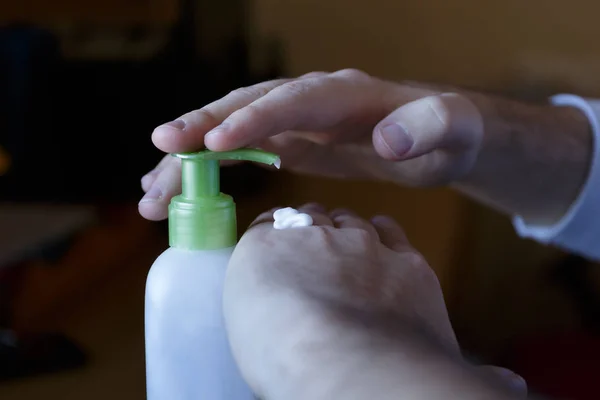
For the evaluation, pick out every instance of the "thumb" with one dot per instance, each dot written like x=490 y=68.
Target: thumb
x=446 y=121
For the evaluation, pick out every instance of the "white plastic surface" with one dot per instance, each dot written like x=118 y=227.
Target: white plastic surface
x=288 y=217
x=187 y=351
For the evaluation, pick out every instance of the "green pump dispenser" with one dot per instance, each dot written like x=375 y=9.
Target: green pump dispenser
x=201 y=217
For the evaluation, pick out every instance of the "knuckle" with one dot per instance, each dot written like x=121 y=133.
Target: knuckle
x=363 y=240
x=421 y=270
x=206 y=115
x=416 y=261
x=352 y=74
x=327 y=237
x=439 y=109
x=314 y=74
x=323 y=235
x=296 y=88
x=255 y=91
x=249 y=113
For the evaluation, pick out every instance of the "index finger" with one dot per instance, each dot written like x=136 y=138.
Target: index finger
x=187 y=132
x=312 y=104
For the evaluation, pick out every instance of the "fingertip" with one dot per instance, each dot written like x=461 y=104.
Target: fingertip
x=153 y=210
x=225 y=138
x=169 y=139
x=447 y=120
x=215 y=140
x=182 y=135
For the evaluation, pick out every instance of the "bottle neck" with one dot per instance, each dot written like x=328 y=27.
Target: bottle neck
x=207 y=223
x=200 y=178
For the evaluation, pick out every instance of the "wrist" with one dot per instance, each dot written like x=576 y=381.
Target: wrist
x=534 y=159
x=359 y=360
x=410 y=367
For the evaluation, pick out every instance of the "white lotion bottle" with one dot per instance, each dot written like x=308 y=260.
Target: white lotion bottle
x=188 y=356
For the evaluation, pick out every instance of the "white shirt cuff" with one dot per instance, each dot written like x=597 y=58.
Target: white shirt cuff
x=578 y=231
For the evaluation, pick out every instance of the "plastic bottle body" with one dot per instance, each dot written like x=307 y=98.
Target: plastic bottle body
x=187 y=351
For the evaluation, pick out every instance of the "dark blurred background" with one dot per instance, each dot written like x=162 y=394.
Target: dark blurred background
x=82 y=85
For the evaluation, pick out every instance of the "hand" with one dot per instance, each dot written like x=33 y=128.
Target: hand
x=345 y=124
x=311 y=312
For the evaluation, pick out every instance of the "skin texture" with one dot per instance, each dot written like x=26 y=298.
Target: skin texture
x=346 y=309
x=534 y=161
x=519 y=158
x=357 y=313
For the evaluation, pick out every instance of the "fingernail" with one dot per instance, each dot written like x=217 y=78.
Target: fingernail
x=154 y=194
x=177 y=124
x=396 y=138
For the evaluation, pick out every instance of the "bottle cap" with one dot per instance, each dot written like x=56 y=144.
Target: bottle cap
x=201 y=217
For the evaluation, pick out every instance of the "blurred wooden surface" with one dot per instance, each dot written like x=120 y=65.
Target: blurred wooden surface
x=107 y=320
x=502 y=45
x=98 y=254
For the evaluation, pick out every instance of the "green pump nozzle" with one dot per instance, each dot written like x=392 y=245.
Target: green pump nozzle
x=201 y=217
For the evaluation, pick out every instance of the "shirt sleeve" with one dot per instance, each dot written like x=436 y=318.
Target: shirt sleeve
x=578 y=231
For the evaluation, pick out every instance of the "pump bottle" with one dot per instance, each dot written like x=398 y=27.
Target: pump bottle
x=187 y=351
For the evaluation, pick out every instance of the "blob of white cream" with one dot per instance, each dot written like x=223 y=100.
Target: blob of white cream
x=290 y=218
